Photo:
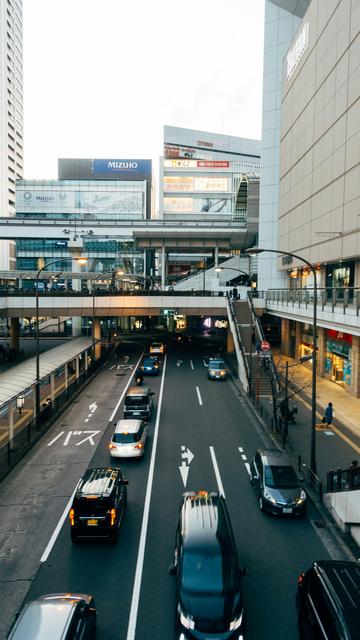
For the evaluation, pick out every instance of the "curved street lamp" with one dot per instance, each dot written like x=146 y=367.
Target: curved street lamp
x=219 y=269
x=255 y=251
x=37 y=343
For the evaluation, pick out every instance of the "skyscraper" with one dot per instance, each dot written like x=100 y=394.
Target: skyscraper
x=11 y=115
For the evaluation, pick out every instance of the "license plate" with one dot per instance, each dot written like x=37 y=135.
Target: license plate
x=136 y=413
x=93 y=522
x=287 y=510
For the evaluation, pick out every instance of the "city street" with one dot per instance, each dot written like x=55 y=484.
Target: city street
x=201 y=436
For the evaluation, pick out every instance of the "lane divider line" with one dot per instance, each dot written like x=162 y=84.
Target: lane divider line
x=191 y=364
x=144 y=525
x=198 y=395
x=125 y=390
x=217 y=472
x=57 y=529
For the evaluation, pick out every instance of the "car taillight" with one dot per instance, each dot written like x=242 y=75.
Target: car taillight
x=139 y=445
x=72 y=517
x=301 y=579
x=112 y=517
x=112 y=446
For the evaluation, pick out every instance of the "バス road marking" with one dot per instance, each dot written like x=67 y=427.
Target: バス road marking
x=217 y=472
x=141 y=553
x=198 y=395
x=125 y=390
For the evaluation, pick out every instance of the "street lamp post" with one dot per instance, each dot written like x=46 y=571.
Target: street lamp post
x=37 y=337
x=219 y=269
x=256 y=250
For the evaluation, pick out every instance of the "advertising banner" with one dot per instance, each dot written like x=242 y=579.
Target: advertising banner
x=42 y=201
x=197 y=205
x=140 y=169
x=109 y=201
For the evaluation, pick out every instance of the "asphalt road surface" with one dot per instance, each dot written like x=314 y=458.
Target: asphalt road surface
x=202 y=436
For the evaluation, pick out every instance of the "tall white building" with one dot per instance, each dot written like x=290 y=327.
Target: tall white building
x=11 y=115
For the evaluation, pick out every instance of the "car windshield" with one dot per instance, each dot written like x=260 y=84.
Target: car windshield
x=208 y=572
x=216 y=364
x=281 y=477
x=149 y=362
x=125 y=438
x=134 y=401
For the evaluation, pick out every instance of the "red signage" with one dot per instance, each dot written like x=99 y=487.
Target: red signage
x=210 y=164
x=265 y=346
x=339 y=335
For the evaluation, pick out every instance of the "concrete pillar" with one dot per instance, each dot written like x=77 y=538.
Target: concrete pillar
x=77 y=367
x=66 y=372
x=298 y=338
x=216 y=256
x=76 y=326
x=163 y=267
x=34 y=400
x=230 y=347
x=52 y=386
x=285 y=337
x=355 y=364
x=86 y=360
x=97 y=337
x=14 y=333
x=321 y=351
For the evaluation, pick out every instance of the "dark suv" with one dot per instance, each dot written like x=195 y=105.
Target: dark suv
x=99 y=504
x=209 y=599
x=276 y=483
x=328 y=601
x=138 y=403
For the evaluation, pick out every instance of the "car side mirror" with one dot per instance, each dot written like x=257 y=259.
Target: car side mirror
x=152 y=393
x=172 y=569
x=124 y=481
x=255 y=477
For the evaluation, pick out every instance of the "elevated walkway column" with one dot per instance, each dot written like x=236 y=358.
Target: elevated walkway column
x=52 y=386
x=230 y=347
x=216 y=256
x=321 y=351
x=97 y=336
x=355 y=356
x=163 y=266
x=285 y=337
x=14 y=333
x=76 y=286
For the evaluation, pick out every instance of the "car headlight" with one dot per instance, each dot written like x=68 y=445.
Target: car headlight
x=186 y=621
x=212 y=373
x=302 y=497
x=268 y=496
x=236 y=623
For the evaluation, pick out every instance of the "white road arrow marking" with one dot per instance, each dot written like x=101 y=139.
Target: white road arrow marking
x=93 y=407
x=187 y=455
x=90 y=438
x=178 y=363
x=184 y=471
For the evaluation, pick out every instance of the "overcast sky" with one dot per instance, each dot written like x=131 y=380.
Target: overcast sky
x=102 y=78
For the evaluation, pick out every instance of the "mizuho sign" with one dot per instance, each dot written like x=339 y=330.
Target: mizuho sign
x=294 y=55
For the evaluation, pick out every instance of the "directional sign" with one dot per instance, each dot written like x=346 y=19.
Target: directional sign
x=186 y=458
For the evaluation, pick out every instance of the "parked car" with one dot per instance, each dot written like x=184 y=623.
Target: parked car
x=276 y=483
x=128 y=440
x=328 y=601
x=217 y=369
x=99 y=504
x=58 y=616
x=208 y=575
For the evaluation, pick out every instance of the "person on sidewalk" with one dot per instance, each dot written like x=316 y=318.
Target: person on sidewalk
x=328 y=414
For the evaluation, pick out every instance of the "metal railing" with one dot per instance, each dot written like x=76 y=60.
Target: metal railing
x=239 y=340
x=328 y=297
x=343 y=479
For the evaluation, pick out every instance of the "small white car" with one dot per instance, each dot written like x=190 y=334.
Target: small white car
x=128 y=440
x=157 y=347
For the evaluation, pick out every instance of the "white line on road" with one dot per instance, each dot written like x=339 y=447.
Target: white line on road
x=248 y=468
x=217 y=472
x=125 y=390
x=113 y=367
x=52 y=540
x=141 y=553
x=198 y=395
x=191 y=364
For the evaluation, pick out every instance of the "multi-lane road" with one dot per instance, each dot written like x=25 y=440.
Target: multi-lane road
x=202 y=436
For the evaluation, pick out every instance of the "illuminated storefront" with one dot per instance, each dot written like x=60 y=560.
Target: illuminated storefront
x=338 y=357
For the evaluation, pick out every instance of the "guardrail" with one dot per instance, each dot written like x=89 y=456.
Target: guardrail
x=328 y=297
x=343 y=479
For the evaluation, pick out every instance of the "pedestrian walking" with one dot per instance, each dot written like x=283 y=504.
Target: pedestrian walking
x=328 y=414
